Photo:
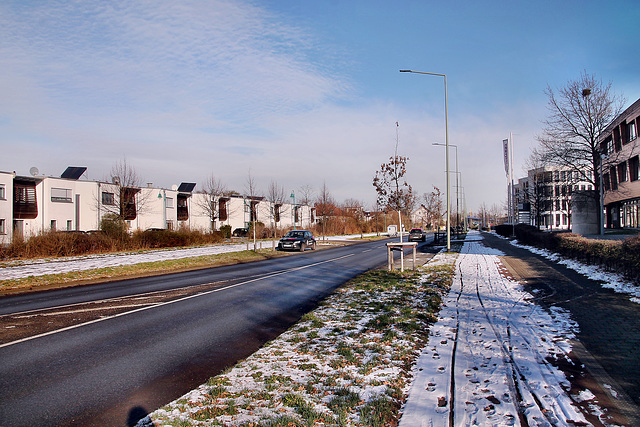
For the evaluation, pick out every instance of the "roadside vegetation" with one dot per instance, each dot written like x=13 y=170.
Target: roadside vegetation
x=130 y=271
x=612 y=255
x=114 y=236
x=347 y=363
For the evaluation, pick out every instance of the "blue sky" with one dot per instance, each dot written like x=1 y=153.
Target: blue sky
x=296 y=92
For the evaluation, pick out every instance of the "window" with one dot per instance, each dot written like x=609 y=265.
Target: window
x=607 y=146
x=168 y=202
x=53 y=225
x=557 y=220
x=69 y=225
x=634 y=168
x=108 y=198
x=170 y=225
x=3 y=195
x=614 y=178
x=606 y=182
x=632 y=132
x=2 y=228
x=62 y=195
x=617 y=139
x=222 y=209
x=622 y=172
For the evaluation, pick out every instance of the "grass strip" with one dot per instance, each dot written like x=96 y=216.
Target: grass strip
x=48 y=281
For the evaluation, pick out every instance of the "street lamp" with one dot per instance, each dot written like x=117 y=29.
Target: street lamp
x=457 y=185
x=446 y=124
x=293 y=209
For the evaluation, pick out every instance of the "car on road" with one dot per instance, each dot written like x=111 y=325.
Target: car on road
x=240 y=232
x=297 y=240
x=417 y=234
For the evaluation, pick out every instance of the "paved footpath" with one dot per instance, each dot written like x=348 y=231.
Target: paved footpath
x=608 y=338
x=507 y=354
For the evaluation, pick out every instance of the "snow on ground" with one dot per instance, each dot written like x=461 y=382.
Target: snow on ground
x=609 y=279
x=40 y=267
x=486 y=362
x=346 y=363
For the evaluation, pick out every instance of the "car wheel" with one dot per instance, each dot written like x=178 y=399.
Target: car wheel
x=303 y=246
x=313 y=246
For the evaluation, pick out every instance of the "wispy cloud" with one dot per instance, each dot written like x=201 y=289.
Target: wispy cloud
x=221 y=62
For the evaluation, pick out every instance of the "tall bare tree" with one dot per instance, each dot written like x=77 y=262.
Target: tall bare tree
x=251 y=191
x=276 y=198
x=578 y=114
x=325 y=207
x=306 y=195
x=211 y=205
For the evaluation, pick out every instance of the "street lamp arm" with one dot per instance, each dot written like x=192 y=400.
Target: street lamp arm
x=423 y=72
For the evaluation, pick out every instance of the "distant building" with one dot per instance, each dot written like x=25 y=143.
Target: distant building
x=543 y=197
x=621 y=169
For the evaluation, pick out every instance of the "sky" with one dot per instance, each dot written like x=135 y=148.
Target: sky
x=299 y=93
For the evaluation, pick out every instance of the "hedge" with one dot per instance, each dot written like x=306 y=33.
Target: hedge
x=620 y=256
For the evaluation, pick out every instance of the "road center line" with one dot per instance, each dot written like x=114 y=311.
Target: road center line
x=68 y=328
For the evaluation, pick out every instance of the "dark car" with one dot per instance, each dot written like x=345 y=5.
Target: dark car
x=297 y=240
x=417 y=234
x=240 y=232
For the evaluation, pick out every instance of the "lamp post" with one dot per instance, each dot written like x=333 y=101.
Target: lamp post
x=457 y=185
x=446 y=124
x=293 y=209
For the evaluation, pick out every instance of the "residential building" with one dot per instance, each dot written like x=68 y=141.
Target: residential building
x=621 y=169
x=30 y=205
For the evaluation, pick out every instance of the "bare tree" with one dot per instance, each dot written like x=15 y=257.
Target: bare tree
x=276 y=198
x=433 y=204
x=251 y=189
x=325 y=207
x=578 y=114
x=215 y=204
x=394 y=192
x=354 y=209
x=120 y=200
x=306 y=195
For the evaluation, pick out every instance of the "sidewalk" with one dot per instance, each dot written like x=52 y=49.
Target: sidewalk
x=487 y=359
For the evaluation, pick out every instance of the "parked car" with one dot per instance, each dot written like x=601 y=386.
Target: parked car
x=297 y=240
x=240 y=232
x=417 y=234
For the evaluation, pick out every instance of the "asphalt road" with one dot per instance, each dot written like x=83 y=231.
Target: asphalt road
x=112 y=369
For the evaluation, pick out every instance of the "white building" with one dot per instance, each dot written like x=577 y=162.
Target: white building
x=36 y=204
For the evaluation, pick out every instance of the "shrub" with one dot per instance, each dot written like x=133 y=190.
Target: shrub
x=111 y=238
x=622 y=257
x=226 y=231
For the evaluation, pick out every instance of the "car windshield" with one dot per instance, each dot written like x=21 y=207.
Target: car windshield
x=295 y=234
x=416 y=230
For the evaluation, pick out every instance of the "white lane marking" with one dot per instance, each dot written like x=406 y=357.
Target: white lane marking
x=68 y=328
